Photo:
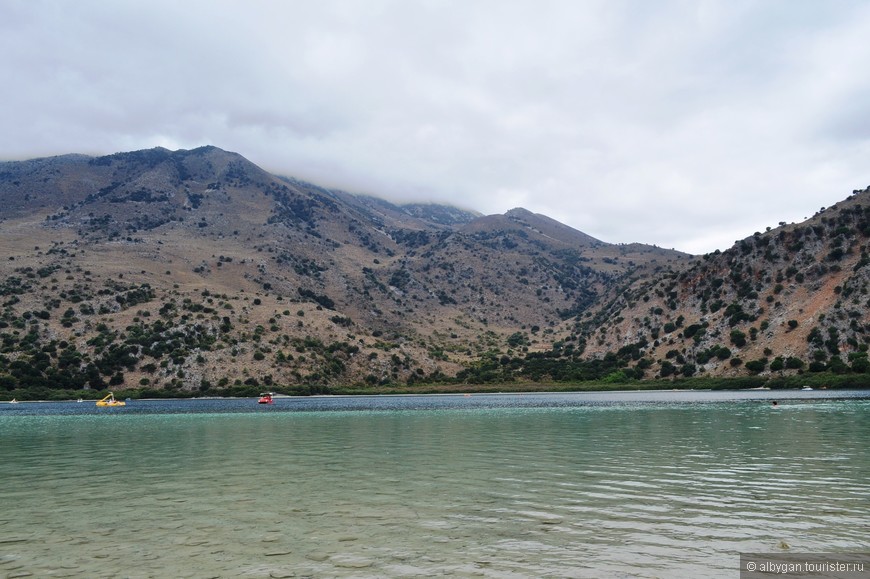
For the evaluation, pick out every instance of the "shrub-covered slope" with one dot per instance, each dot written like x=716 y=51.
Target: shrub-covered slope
x=197 y=272
x=792 y=299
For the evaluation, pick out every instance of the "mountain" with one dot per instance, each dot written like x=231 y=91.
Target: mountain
x=785 y=301
x=198 y=272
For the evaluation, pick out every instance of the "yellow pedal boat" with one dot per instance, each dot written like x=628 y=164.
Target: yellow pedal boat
x=110 y=401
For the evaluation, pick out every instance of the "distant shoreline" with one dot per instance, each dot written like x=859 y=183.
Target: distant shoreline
x=488 y=390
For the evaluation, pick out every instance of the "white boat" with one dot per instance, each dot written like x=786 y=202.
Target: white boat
x=807 y=388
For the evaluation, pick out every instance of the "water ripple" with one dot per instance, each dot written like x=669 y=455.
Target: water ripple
x=645 y=490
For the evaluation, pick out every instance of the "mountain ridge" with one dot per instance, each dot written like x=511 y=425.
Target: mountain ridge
x=197 y=271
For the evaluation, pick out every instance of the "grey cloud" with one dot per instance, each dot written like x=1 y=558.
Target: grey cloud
x=684 y=125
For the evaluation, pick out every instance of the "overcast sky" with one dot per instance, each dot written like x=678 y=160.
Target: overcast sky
x=685 y=124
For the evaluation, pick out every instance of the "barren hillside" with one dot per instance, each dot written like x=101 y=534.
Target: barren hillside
x=198 y=271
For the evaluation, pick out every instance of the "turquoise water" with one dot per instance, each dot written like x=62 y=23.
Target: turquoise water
x=511 y=486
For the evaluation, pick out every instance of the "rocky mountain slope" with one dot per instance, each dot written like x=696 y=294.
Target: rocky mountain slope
x=197 y=271
x=788 y=300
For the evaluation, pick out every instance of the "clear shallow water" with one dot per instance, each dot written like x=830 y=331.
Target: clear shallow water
x=564 y=485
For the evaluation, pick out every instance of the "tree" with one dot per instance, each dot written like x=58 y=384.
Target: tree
x=837 y=366
x=860 y=363
x=7 y=382
x=756 y=366
x=793 y=363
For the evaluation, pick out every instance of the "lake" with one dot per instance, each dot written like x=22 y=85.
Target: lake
x=633 y=484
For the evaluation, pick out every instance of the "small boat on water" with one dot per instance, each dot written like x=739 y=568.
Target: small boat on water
x=807 y=388
x=13 y=401
x=265 y=398
x=110 y=401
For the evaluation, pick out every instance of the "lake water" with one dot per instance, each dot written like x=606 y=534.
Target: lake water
x=656 y=484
